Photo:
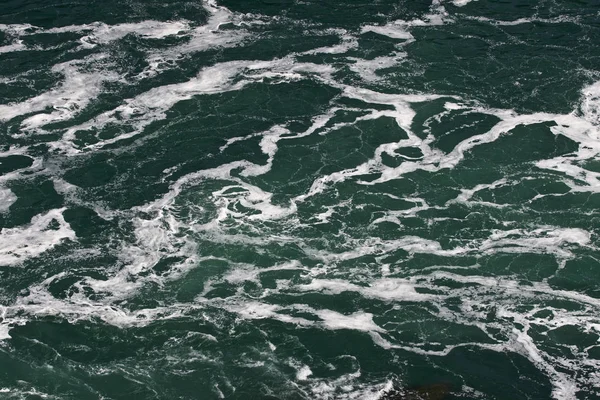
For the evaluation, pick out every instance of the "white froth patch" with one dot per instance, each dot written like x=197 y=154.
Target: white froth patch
x=348 y=42
x=367 y=69
x=103 y=33
x=382 y=289
x=581 y=126
x=399 y=29
x=329 y=319
x=257 y=310
x=461 y=3
x=4 y=333
x=519 y=21
x=359 y=321
x=404 y=115
x=246 y=272
x=80 y=85
x=347 y=387
x=394 y=31
x=453 y=106
x=156 y=239
x=505 y=296
x=467 y=194
x=21 y=243
x=16 y=29
x=376 y=246
x=545 y=237
x=40 y=302
x=564 y=388
x=207 y=36
x=152 y=105
x=303 y=373
x=65 y=100
x=16 y=46
x=590 y=104
x=7 y=198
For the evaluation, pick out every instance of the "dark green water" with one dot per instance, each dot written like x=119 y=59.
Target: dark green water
x=287 y=199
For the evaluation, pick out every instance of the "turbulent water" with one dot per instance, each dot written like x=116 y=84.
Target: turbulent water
x=287 y=199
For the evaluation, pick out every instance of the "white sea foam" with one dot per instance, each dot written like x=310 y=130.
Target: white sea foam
x=204 y=37
x=303 y=373
x=257 y=310
x=590 y=103
x=451 y=106
x=7 y=198
x=161 y=233
x=40 y=302
x=545 y=239
x=359 y=321
x=461 y=3
x=152 y=105
x=347 y=42
x=392 y=289
x=367 y=69
x=22 y=243
x=243 y=273
x=376 y=246
x=102 y=33
x=501 y=294
x=504 y=296
x=16 y=29
x=83 y=81
x=156 y=239
x=65 y=100
x=4 y=329
x=328 y=319
x=564 y=388
x=520 y=21
x=583 y=130
x=541 y=240
x=404 y=116
x=400 y=29
x=16 y=46
x=348 y=387
x=97 y=33
x=394 y=31
x=466 y=195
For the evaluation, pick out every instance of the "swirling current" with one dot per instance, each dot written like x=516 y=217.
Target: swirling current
x=300 y=199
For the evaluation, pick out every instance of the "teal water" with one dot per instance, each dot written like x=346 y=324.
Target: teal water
x=287 y=199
